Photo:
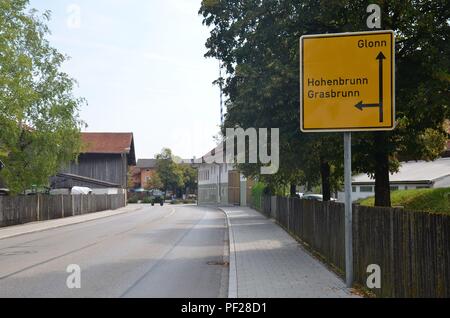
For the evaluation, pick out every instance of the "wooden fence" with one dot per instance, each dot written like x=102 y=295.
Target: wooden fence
x=24 y=209
x=411 y=248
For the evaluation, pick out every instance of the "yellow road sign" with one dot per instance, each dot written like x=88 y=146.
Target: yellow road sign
x=347 y=82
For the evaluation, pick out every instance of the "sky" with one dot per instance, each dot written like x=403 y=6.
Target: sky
x=140 y=64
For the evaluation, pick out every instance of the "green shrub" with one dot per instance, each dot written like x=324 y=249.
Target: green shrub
x=147 y=200
x=257 y=192
x=133 y=200
x=426 y=200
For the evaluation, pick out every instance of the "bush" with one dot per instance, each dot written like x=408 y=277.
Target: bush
x=146 y=200
x=133 y=200
x=257 y=192
x=426 y=200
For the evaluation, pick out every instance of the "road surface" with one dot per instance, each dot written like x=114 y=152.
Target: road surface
x=170 y=251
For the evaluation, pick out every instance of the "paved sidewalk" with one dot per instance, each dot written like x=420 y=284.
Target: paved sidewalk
x=27 y=228
x=265 y=261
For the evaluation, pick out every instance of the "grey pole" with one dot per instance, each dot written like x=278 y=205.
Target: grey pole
x=348 y=209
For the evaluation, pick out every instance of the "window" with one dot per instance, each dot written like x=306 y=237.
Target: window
x=353 y=189
x=366 y=189
x=394 y=188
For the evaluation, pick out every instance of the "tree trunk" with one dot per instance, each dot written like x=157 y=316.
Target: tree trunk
x=325 y=174
x=293 y=189
x=382 y=186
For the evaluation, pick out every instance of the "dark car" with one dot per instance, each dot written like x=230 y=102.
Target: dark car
x=157 y=196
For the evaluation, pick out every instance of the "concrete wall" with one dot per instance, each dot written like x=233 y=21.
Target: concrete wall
x=209 y=194
x=442 y=183
x=357 y=194
x=243 y=189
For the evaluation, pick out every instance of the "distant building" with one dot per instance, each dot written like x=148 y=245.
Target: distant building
x=147 y=169
x=102 y=166
x=412 y=175
x=221 y=183
x=134 y=177
x=446 y=153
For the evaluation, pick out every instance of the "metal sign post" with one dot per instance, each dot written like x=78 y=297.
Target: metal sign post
x=350 y=89
x=348 y=209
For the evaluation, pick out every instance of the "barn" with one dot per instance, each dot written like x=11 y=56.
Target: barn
x=102 y=165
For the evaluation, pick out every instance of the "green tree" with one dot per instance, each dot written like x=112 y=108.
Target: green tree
x=154 y=182
x=39 y=123
x=257 y=43
x=169 y=172
x=189 y=177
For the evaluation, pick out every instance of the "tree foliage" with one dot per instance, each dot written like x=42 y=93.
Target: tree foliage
x=39 y=123
x=154 y=182
x=257 y=43
x=169 y=172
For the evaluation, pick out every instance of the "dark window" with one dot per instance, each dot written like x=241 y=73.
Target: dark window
x=366 y=189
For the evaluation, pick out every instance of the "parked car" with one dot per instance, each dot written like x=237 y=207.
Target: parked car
x=81 y=191
x=315 y=197
x=4 y=191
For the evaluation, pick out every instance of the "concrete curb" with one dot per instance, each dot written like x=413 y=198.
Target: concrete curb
x=232 y=277
x=18 y=230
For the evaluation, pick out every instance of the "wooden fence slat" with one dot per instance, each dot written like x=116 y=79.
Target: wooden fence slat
x=32 y=208
x=411 y=248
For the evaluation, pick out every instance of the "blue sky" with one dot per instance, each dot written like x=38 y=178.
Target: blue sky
x=140 y=65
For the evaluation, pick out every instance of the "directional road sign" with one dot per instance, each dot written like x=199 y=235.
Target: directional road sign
x=347 y=82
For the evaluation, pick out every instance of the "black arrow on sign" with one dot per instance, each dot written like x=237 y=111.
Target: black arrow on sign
x=380 y=57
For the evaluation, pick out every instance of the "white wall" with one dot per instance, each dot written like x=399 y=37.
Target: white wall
x=107 y=191
x=442 y=183
x=358 y=194
x=213 y=172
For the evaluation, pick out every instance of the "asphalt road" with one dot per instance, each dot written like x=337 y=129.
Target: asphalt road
x=170 y=251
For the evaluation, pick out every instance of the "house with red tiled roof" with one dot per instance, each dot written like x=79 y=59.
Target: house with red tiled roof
x=102 y=165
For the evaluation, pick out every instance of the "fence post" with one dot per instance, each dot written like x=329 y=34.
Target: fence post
x=73 y=205
x=62 y=205
x=288 y=214
x=37 y=209
x=273 y=207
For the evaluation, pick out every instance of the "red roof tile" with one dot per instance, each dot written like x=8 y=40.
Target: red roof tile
x=113 y=143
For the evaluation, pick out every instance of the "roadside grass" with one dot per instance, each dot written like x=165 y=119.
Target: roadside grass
x=426 y=200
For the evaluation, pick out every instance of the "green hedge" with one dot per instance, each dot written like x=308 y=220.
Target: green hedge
x=257 y=193
x=426 y=200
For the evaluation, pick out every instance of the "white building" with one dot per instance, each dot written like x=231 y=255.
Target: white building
x=411 y=175
x=221 y=183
